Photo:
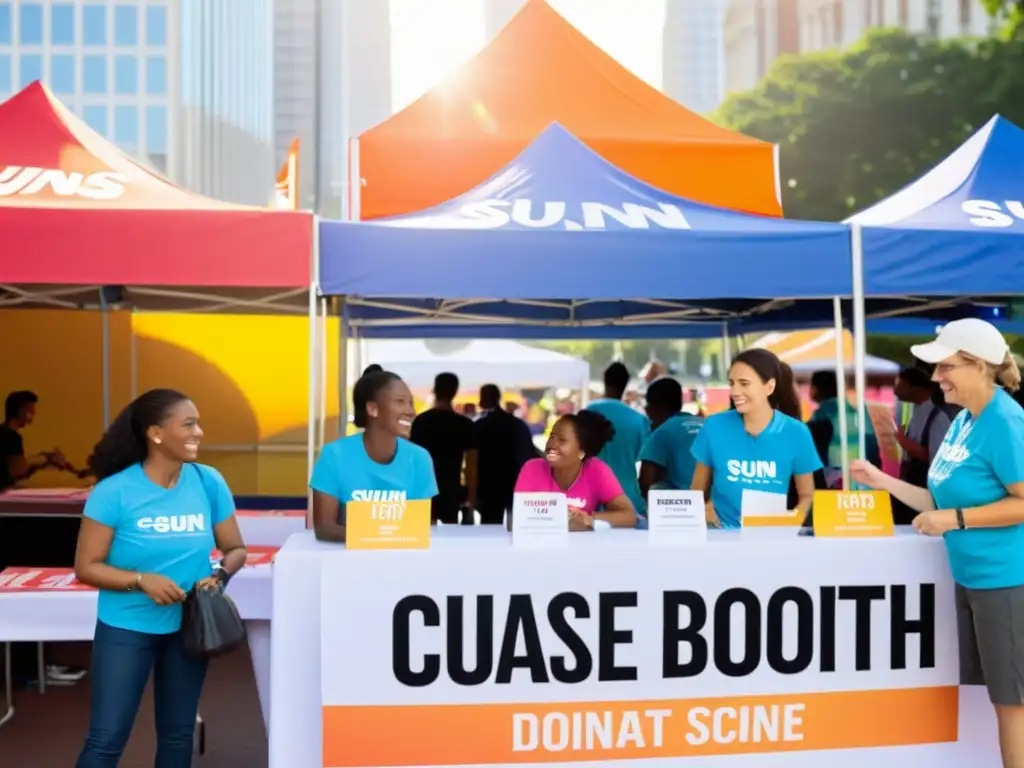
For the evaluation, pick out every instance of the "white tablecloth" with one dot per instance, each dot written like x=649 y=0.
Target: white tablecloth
x=269 y=529
x=296 y=706
x=70 y=615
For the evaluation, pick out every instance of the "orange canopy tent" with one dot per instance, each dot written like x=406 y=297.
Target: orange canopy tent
x=539 y=70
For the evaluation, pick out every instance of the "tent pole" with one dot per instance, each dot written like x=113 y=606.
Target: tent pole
x=321 y=384
x=133 y=360
x=105 y=357
x=844 y=431
x=726 y=352
x=342 y=368
x=314 y=264
x=859 y=335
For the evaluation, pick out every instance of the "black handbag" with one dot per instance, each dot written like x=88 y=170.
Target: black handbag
x=210 y=624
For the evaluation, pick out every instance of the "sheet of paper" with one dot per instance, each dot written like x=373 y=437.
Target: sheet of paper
x=676 y=517
x=540 y=520
x=763 y=504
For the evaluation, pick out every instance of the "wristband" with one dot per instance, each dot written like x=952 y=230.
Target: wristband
x=960 y=519
x=223 y=576
x=135 y=584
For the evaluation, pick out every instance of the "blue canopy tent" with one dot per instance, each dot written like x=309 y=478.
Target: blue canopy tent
x=563 y=239
x=958 y=231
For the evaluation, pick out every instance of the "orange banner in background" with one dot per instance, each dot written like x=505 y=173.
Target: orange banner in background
x=287 y=184
x=567 y=732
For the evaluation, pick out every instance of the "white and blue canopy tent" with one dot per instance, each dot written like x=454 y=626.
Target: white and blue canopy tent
x=562 y=244
x=956 y=232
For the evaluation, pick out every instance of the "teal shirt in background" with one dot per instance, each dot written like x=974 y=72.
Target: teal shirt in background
x=978 y=459
x=347 y=473
x=168 y=531
x=739 y=460
x=623 y=451
x=670 y=446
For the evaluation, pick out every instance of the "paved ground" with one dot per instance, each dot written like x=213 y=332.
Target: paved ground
x=48 y=730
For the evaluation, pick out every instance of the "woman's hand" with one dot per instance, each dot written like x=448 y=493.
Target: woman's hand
x=866 y=473
x=711 y=516
x=935 y=522
x=160 y=589
x=580 y=520
x=210 y=582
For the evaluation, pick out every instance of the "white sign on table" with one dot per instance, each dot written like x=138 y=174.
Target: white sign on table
x=540 y=520
x=676 y=517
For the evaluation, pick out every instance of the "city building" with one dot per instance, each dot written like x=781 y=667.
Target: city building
x=498 y=13
x=296 y=87
x=838 y=23
x=185 y=86
x=332 y=81
x=756 y=33
x=693 y=53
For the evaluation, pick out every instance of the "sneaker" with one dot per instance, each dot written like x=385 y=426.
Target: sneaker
x=61 y=674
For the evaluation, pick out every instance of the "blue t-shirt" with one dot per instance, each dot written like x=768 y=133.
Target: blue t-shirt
x=168 y=531
x=978 y=459
x=670 y=446
x=740 y=461
x=345 y=472
x=623 y=451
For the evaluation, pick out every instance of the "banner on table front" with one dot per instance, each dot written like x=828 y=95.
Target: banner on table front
x=554 y=658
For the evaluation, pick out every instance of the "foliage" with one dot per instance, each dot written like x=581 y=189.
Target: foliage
x=1010 y=10
x=854 y=126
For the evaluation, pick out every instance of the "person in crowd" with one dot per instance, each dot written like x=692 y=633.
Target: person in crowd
x=470 y=412
x=374 y=462
x=826 y=429
x=630 y=429
x=753 y=446
x=512 y=407
x=504 y=444
x=921 y=438
x=975 y=501
x=450 y=440
x=666 y=461
x=146 y=469
x=571 y=466
x=19 y=412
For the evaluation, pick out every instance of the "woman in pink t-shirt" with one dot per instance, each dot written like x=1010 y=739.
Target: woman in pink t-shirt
x=571 y=467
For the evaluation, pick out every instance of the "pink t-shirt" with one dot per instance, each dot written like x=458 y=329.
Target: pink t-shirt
x=596 y=484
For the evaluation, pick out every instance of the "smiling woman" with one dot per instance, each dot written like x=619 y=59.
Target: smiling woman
x=147 y=531
x=374 y=465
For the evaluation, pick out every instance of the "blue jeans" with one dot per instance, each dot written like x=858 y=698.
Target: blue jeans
x=122 y=662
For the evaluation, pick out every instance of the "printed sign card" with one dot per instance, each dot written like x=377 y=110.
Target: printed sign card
x=762 y=509
x=540 y=520
x=852 y=514
x=676 y=517
x=393 y=524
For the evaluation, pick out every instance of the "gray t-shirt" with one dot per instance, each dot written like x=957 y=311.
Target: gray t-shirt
x=936 y=430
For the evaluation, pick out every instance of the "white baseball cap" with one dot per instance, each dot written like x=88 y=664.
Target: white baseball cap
x=971 y=336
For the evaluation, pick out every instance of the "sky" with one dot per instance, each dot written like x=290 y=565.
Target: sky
x=429 y=39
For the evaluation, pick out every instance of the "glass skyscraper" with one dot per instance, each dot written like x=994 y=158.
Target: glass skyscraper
x=184 y=85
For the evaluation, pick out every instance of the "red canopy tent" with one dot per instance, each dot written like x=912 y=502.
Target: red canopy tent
x=75 y=210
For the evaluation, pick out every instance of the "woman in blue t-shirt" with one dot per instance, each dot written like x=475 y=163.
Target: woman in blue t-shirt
x=147 y=532
x=374 y=463
x=975 y=501
x=753 y=446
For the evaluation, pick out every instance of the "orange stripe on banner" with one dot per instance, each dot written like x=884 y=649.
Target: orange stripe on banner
x=573 y=731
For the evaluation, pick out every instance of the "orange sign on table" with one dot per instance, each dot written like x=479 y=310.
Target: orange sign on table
x=851 y=514
x=396 y=524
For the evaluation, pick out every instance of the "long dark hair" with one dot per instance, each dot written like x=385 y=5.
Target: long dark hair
x=767 y=366
x=124 y=443
x=787 y=399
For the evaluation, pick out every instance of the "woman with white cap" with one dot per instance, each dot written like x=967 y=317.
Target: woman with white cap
x=975 y=501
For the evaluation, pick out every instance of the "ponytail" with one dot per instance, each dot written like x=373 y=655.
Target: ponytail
x=124 y=443
x=1008 y=374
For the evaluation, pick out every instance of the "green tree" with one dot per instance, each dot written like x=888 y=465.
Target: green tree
x=854 y=126
x=1012 y=11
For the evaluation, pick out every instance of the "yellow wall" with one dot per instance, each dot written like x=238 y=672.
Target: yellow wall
x=247 y=374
